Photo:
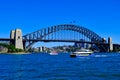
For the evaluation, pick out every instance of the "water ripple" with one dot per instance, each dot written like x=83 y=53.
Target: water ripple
x=61 y=67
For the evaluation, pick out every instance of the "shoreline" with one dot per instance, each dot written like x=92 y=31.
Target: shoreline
x=15 y=53
x=38 y=52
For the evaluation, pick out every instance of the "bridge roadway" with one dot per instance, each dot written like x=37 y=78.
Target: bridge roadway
x=42 y=40
x=6 y=39
x=36 y=40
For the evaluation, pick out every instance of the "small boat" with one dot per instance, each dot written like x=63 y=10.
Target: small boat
x=82 y=53
x=53 y=53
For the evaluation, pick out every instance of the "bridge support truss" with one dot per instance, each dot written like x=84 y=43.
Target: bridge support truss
x=44 y=35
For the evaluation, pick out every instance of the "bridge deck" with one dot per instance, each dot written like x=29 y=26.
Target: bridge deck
x=64 y=41
x=5 y=39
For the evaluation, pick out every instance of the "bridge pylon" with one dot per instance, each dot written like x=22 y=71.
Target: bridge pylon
x=110 y=44
x=17 y=36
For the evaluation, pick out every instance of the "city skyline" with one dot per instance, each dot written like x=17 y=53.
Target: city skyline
x=101 y=16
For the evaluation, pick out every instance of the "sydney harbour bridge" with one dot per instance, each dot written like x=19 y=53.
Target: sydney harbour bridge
x=60 y=33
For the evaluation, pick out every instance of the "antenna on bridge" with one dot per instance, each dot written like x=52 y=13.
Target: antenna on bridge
x=72 y=22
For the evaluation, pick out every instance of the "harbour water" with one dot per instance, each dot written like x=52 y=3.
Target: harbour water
x=101 y=66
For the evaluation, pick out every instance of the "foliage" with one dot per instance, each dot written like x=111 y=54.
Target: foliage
x=11 y=48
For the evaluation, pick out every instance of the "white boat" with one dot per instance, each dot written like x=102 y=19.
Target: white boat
x=82 y=52
x=53 y=53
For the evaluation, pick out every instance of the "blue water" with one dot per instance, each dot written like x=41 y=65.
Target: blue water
x=101 y=66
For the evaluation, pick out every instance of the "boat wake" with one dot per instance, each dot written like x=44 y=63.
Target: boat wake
x=100 y=55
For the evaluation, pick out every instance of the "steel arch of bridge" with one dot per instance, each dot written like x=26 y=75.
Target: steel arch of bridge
x=40 y=34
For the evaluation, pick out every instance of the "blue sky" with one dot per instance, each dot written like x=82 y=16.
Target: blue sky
x=100 y=16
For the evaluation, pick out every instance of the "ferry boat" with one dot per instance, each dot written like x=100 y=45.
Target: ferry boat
x=82 y=52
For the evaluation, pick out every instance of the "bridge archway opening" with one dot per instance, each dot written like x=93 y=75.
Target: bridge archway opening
x=66 y=35
x=52 y=44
